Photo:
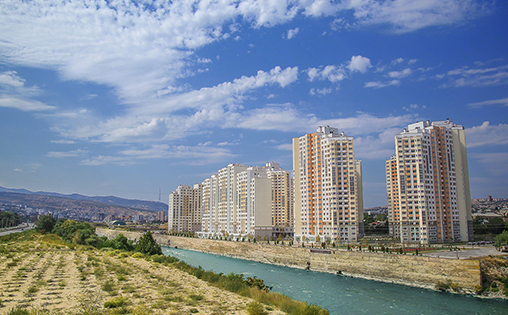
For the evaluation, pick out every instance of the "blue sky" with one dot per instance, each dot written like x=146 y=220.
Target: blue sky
x=123 y=98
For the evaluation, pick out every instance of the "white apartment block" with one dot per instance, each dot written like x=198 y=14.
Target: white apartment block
x=327 y=186
x=254 y=190
x=240 y=201
x=427 y=184
x=184 y=209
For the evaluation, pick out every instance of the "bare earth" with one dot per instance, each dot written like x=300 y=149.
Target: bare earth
x=55 y=278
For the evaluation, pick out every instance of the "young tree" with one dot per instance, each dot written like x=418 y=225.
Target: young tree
x=147 y=245
x=45 y=223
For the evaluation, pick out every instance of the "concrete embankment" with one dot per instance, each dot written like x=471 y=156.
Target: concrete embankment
x=405 y=269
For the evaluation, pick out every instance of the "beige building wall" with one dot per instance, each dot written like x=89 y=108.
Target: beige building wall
x=180 y=209
x=328 y=187
x=428 y=191
x=282 y=199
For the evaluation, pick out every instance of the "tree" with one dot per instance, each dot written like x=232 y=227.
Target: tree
x=119 y=242
x=501 y=239
x=9 y=219
x=75 y=232
x=147 y=245
x=45 y=223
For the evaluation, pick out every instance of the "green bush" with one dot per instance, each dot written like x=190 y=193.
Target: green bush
x=255 y=308
x=147 y=245
x=114 y=302
x=108 y=286
x=138 y=255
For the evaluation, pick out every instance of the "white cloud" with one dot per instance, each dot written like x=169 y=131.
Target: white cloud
x=18 y=170
x=380 y=146
x=74 y=153
x=378 y=84
x=503 y=101
x=413 y=107
x=322 y=92
x=410 y=15
x=140 y=51
x=63 y=141
x=479 y=77
x=400 y=74
x=285 y=147
x=23 y=104
x=193 y=155
x=204 y=60
x=397 y=61
x=287 y=118
x=101 y=160
x=318 y=8
x=338 y=73
x=11 y=79
x=11 y=83
x=359 y=63
x=487 y=135
x=292 y=33
x=208 y=107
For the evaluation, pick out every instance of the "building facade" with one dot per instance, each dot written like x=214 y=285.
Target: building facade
x=161 y=216
x=427 y=182
x=328 y=189
x=243 y=201
x=184 y=209
x=282 y=200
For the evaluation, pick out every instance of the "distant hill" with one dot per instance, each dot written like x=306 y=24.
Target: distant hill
x=153 y=206
x=67 y=206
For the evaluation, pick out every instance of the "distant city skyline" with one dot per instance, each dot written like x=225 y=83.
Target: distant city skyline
x=125 y=99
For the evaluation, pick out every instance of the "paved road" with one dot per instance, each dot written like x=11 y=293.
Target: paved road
x=17 y=229
x=475 y=251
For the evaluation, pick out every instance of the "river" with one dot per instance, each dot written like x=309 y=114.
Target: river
x=345 y=295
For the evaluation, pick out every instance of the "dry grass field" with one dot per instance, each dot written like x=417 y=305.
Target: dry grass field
x=43 y=275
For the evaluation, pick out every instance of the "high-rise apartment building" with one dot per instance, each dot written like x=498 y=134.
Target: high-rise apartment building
x=242 y=201
x=184 y=209
x=161 y=216
x=427 y=182
x=327 y=186
x=282 y=200
x=254 y=213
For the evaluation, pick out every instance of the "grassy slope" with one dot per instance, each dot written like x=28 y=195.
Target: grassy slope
x=44 y=275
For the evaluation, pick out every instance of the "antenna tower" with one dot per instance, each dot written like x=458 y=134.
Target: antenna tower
x=159 y=194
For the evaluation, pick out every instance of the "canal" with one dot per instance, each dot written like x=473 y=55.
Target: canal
x=345 y=295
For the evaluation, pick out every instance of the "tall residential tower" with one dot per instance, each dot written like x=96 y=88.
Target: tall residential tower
x=327 y=187
x=184 y=209
x=427 y=181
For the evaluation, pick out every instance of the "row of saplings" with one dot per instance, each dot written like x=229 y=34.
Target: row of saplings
x=83 y=233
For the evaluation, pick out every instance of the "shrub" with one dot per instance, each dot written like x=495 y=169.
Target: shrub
x=138 y=255
x=108 y=286
x=114 y=302
x=18 y=311
x=255 y=308
x=32 y=290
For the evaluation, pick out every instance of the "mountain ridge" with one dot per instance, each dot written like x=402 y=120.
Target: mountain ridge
x=152 y=206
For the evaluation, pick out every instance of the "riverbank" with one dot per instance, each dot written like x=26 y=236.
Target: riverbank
x=464 y=276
